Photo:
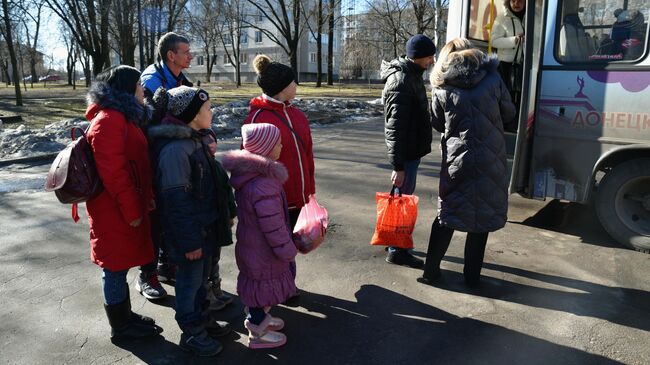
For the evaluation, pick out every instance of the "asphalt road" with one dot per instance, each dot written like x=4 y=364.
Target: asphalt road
x=556 y=288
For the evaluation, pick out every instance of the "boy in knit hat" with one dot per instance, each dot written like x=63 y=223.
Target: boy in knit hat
x=188 y=196
x=265 y=248
x=407 y=123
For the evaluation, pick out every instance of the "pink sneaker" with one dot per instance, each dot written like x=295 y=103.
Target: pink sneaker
x=275 y=323
x=260 y=337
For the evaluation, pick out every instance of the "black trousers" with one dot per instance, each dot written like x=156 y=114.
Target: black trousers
x=439 y=241
x=159 y=252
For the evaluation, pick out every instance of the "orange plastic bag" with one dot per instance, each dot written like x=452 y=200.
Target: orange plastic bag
x=396 y=216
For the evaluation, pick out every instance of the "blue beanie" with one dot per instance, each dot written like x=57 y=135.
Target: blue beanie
x=420 y=46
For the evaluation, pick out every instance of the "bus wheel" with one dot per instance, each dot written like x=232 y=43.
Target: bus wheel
x=623 y=203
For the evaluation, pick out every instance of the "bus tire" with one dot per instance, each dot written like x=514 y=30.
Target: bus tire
x=623 y=203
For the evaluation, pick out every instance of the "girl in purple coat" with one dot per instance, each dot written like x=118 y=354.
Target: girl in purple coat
x=265 y=246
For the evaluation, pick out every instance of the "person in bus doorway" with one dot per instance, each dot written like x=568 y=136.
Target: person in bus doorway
x=407 y=127
x=508 y=38
x=470 y=105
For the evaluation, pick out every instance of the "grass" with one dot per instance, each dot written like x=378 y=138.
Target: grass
x=57 y=101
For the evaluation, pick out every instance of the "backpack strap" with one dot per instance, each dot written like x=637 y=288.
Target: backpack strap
x=284 y=121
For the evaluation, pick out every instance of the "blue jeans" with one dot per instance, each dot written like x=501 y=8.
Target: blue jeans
x=191 y=277
x=114 y=286
x=408 y=186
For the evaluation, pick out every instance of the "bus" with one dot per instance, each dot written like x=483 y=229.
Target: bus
x=584 y=113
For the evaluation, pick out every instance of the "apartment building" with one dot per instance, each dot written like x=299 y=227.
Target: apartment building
x=254 y=42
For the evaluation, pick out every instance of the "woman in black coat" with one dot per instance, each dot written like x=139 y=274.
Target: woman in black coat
x=469 y=108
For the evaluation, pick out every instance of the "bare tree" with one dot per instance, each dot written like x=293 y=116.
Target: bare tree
x=159 y=17
x=204 y=23
x=4 y=62
x=315 y=21
x=88 y=20
x=231 y=26
x=32 y=10
x=389 y=16
x=122 y=28
x=7 y=32
x=71 y=58
x=285 y=18
x=332 y=19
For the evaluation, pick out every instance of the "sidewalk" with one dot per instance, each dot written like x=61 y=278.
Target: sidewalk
x=548 y=297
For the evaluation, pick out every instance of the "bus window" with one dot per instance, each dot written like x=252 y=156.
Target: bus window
x=479 y=18
x=602 y=31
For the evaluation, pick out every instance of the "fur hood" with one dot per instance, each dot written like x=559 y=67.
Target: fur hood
x=465 y=75
x=245 y=166
x=399 y=64
x=105 y=97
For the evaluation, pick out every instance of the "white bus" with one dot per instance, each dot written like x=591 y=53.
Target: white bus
x=584 y=125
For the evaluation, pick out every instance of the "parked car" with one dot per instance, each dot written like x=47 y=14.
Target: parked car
x=49 y=78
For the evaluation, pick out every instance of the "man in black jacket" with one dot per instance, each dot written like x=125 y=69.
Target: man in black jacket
x=407 y=122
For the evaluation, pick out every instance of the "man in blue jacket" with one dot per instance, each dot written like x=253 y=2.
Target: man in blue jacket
x=174 y=56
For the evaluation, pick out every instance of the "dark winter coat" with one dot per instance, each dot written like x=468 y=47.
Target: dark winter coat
x=469 y=109
x=297 y=155
x=121 y=155
x=186 y=188
x=265 y=246
x=226 y=206
x=407 y=125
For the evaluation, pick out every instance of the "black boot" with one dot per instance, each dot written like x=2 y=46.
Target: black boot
x=123 y=324
x=404 y=258
x=138 y=318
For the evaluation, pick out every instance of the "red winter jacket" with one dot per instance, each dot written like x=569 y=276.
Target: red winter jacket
x=122 y=158
x=297 y=157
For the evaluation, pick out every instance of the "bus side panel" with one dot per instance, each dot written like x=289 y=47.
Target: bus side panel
x=579 y=116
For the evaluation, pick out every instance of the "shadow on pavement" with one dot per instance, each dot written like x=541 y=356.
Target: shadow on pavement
x=380 y=327
x=578 y=298
x=574 y=219
x=385 y=327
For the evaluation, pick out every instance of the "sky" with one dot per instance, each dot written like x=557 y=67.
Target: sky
x=52 y=45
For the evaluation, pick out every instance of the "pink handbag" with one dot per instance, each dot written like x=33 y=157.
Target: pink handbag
x=311 y=226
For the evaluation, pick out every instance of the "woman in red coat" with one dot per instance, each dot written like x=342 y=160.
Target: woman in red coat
x=118 y=216
x=278 y=85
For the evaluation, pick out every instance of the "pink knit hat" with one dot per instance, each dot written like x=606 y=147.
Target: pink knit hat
x=260 y=138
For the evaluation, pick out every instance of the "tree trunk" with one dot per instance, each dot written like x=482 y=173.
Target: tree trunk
x=12 y=52
x=330 y=45
x=32 y=69
x=319 y=45
x=208 y=65
x=238 y=74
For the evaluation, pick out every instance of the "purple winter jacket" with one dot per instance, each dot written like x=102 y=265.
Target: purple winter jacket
x=265 y=245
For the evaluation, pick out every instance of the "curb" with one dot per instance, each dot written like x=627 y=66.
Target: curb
x=29 y=159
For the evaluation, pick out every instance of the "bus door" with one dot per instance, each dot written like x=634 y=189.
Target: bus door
x=472 y=19
x=593 y=93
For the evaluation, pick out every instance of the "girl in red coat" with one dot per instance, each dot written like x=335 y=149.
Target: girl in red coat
x=118 y=216
x=274 y=107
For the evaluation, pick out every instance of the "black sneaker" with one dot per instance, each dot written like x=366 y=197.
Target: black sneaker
x=150 y=288
x=218 y=328
x=166 y=272
x=200 y=344
x=404 y=258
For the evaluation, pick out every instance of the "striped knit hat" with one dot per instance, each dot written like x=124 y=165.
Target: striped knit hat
x=260 y=138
